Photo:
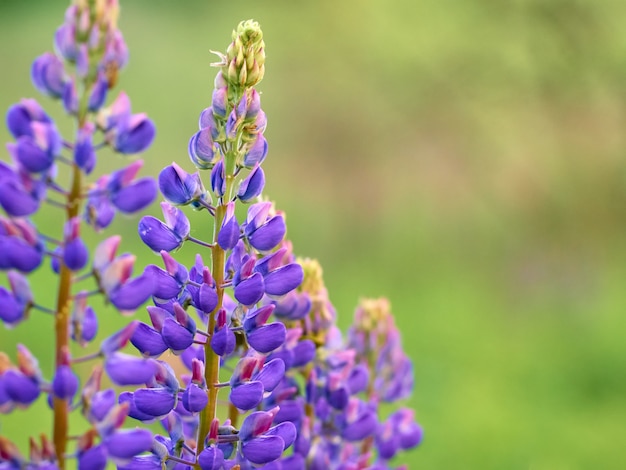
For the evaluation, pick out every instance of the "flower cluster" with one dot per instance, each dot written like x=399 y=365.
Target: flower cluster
x=239 y=358
x=49 y=173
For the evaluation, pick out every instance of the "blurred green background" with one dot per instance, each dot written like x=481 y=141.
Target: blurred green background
x=463 y=158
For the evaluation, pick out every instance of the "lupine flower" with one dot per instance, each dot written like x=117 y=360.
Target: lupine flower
x=17 y=302
x=254 y=316
x=168 y=236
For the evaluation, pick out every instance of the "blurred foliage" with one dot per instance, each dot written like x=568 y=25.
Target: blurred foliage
x=465 y=159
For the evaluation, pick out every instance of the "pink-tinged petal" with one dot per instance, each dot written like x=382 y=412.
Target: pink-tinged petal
x=271 y=374
x=258 y=317
x=105 y=252
x=119 y=339
x=255 y=424
x=117 y=272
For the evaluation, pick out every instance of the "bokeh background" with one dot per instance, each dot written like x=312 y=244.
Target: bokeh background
x=464 y=158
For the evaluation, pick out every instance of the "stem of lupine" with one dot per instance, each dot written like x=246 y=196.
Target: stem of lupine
x=64 y=297
x=212 y=360
x=64 y=300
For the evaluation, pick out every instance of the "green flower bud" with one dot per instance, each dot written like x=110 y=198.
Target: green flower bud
x=243 y=65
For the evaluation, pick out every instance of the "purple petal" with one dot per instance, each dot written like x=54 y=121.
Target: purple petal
x=257 y=152
x=12 y=311
x=94 y=458
x=263 y=449
x=223 y=341
x=268 y=235
x=250 y=290
x=252 y=186
x=194 y=398
x=267 y=337
x=157 y=235
x=135 y=134
x=135 y=196
x=247 y=396
x=101 y=404
x=229 y=234
x=286 y=430
x=271 y=374
x=32 y=157
x=129 y=370
x=148 y=341
x=303 y=353
x=178 y=186
x=21 y=255
x=206 y=298
x=363 y=427
x=75 y=255
x=155 y=402
x=65 y=383
x=132 y=294
x=15 y=200
x=124 y=444
x=133 y=412
x=211 y=458
x=177 y=337
x=283 y=280
x=20 y=388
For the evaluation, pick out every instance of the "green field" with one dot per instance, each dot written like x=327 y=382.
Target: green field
x=466 y=159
